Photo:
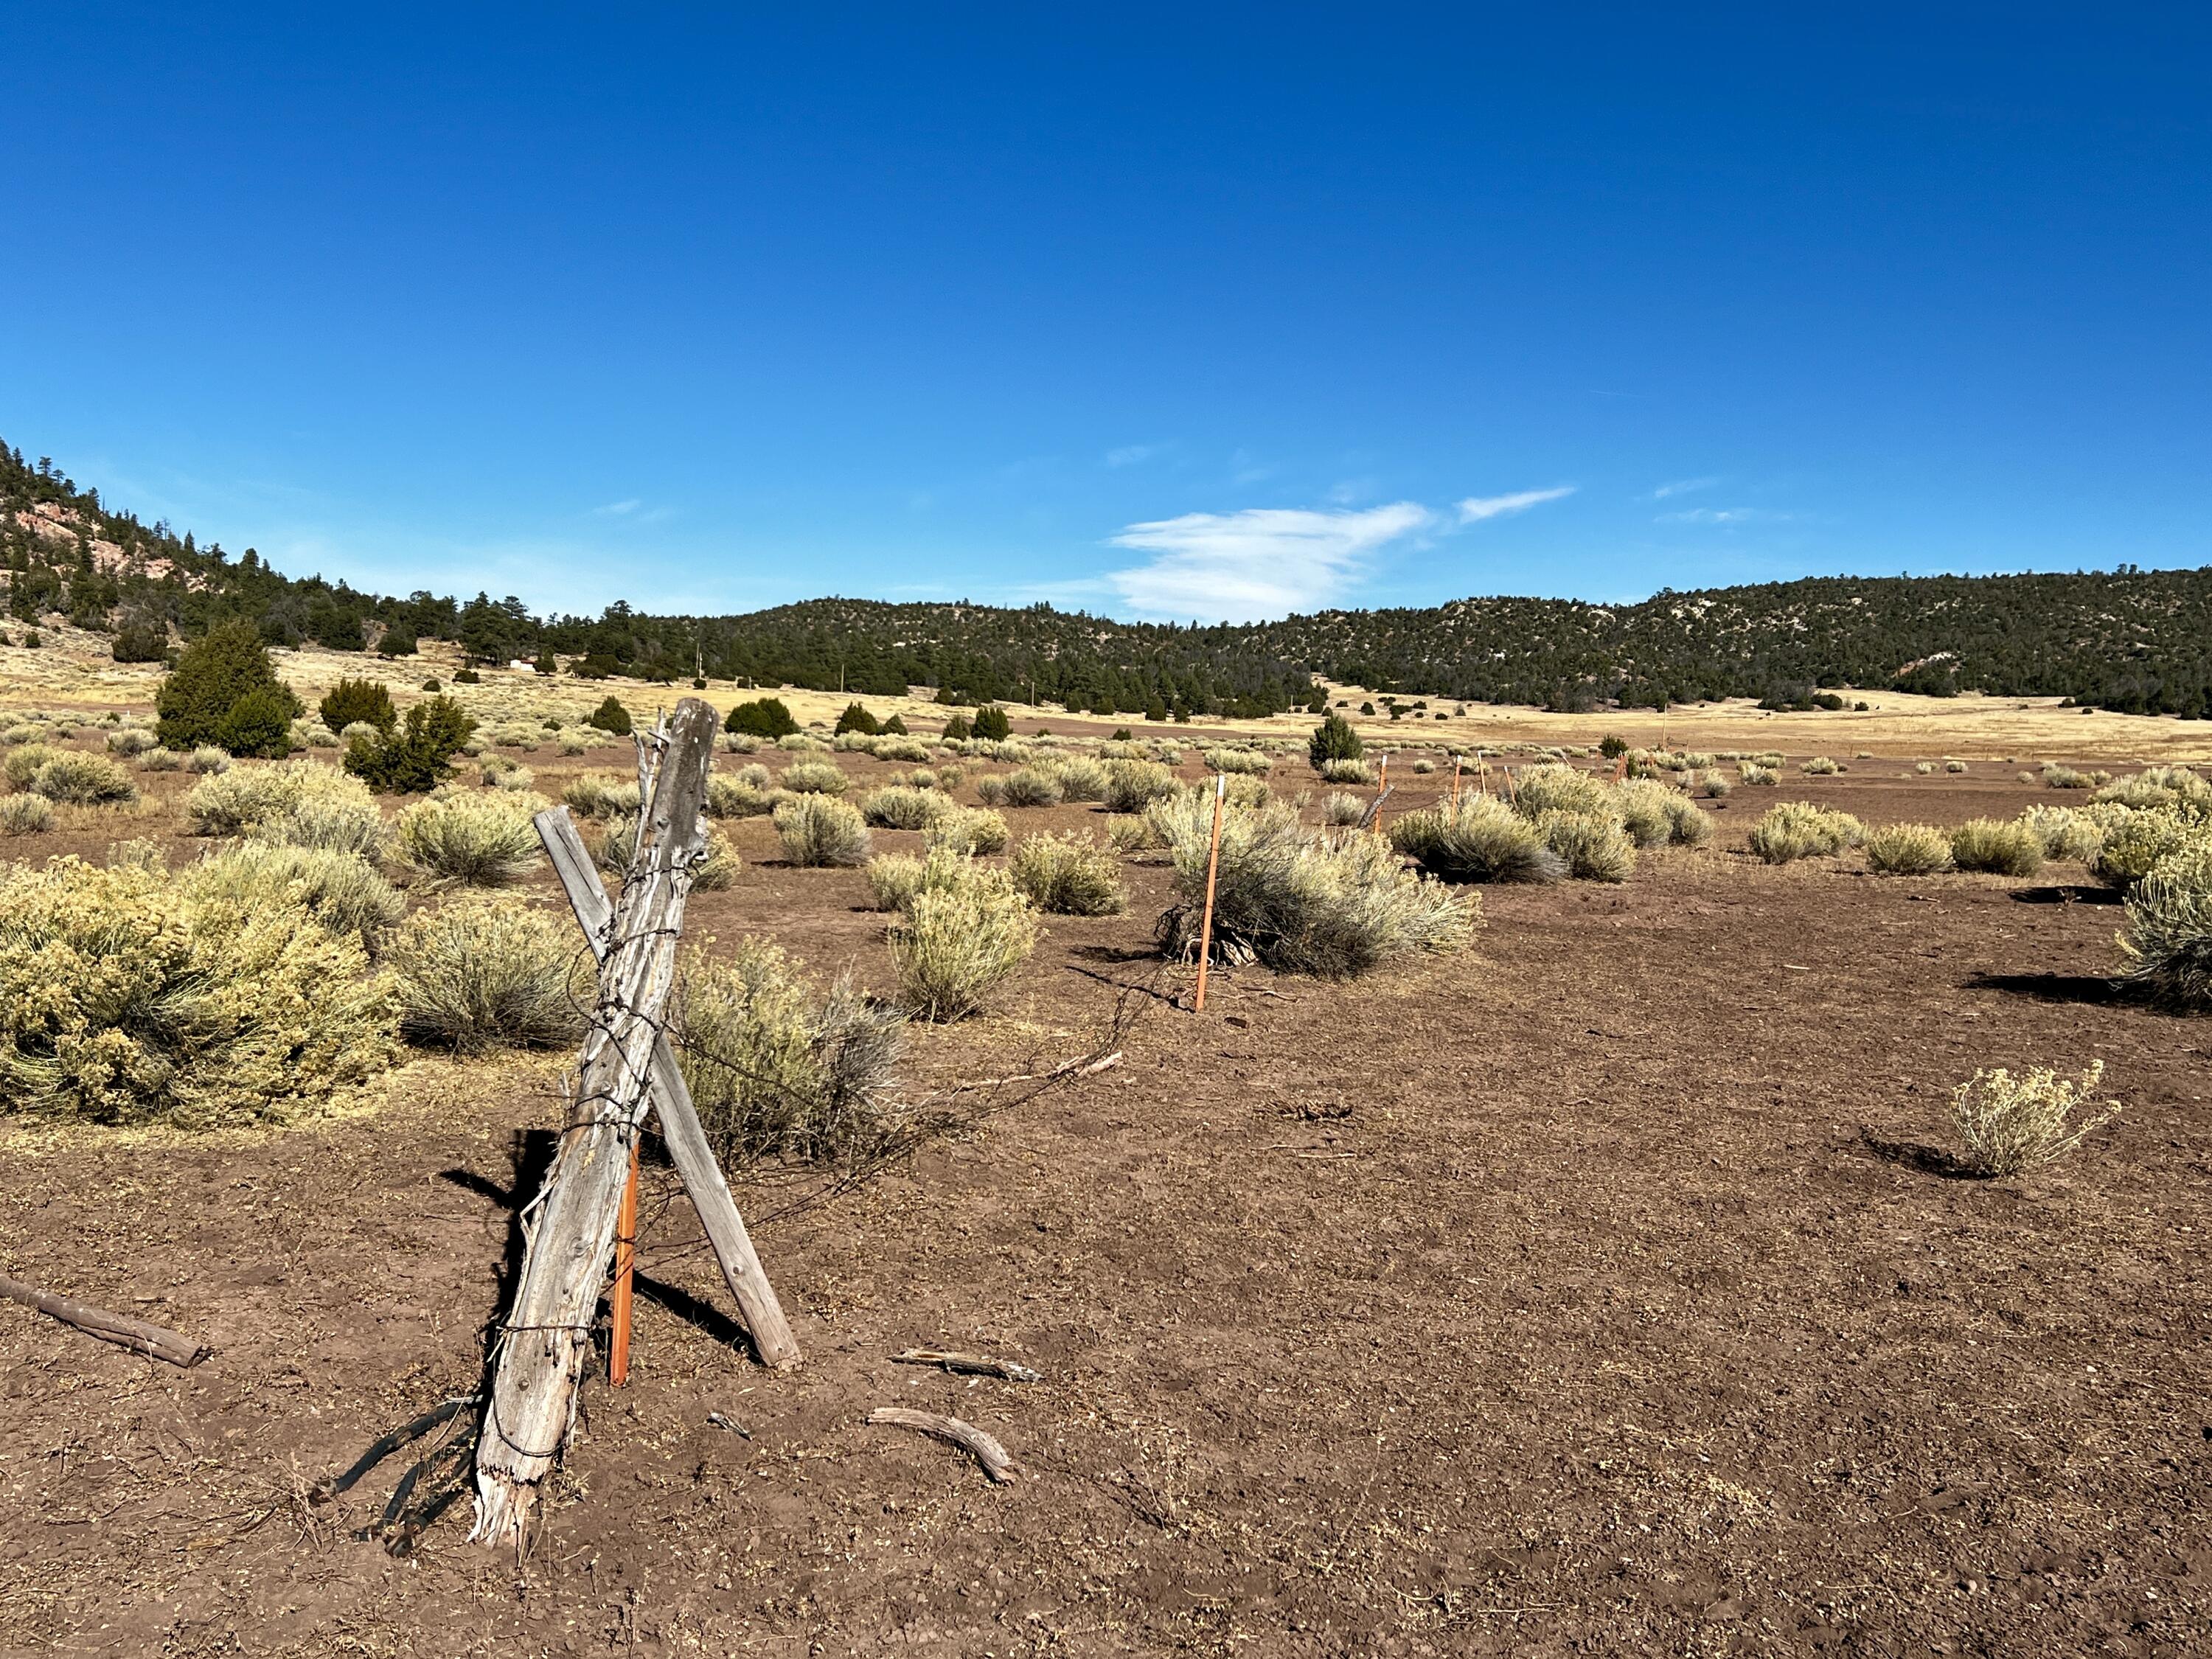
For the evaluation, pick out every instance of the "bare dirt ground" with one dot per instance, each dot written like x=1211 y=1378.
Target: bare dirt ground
x=1603 y=1291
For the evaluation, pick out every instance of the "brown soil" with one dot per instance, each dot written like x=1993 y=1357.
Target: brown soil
x=1604 y=1291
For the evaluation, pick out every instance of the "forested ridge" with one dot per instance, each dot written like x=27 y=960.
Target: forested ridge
x=2131 y=640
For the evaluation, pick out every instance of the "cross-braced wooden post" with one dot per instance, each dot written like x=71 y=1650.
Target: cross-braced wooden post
x=547 y=1335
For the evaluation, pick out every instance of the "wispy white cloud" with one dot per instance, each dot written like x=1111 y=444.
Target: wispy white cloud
x=1475 y=508
x=619 y=509
x=633 y=510
x=1133 y=454
x=1725 y=515
x=1259 y=563
x=1682 y=487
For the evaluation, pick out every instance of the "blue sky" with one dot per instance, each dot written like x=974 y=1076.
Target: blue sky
x=1158 y=312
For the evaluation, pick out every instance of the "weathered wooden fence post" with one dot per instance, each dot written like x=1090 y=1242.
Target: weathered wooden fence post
x=546 y=1337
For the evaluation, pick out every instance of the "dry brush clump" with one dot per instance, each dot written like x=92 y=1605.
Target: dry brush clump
x=778 y=1068
x=1996 y=847
x=341 y=891
x=1592 y=845
x=1794 y=829
x=1133 y=785
x=471 y=840
x=1341 y=811
x=69 y=777
x=1069 y=875
x=605 y=794
x=970 y=830
x=2156 y=787
x=822 y=832
x=955 y=944
x=1301 y=900
x=1908 y=850
x=2065 y=832
x=2135 y=842
x=481 y=972
x=810 y=777
x=25 y=815
x=128 y=997
x=294 y=804
x=2167 y=942
x=898 y=807
x=2011 y=1125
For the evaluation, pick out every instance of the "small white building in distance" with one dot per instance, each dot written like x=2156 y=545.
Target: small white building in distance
x=525 y=667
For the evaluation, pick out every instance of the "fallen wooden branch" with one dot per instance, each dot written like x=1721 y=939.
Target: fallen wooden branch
x=996 y=1460
x=1074 y=1068
x=136 y=1334
x=968 y=1365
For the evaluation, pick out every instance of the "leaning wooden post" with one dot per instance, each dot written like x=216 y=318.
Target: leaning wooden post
x=689 y=1148
x=1212 y=867
x=547 y=1333
x=625 y=1289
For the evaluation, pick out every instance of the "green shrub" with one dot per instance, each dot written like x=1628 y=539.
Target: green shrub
x=1299 y=901
x=617 y=851
x=896 y=808
x=2133 y=844
x=23 y=764
x=894 y=878
x=25 y=815
x=970 y=830
x=341 y=891
x=1334 y=739
x=2168 y=939
x=302 y=803
x=1556 y=788
x=2157 y=786
x=778 y=1069
x=417 y=755
x=1821 y=767
x=858 y=718
x=77 y=779
x=2011 y=1125
x=1081 y=779
x=1645 y=811
x=765 y=717
x=955 y=945
x=1473 y=839
x=1031 y=785
x=815 y=778
x=1069 y=875
x=130 y=998
x=607 y=794
x=992 y=725
x=1794 y=829
x=820 y=831
x=479 y=972
x=1247 y=760
x=352 y=701
x=1592 y=845
x=732 y=798
x=1908 y=850
x=609 y=716
x=1996 y=847
x=471 y=840
x=224 y=691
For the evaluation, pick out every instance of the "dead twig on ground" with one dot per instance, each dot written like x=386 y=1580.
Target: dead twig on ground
x=996 y=1460
x=967 y=1364
x=136 y=1334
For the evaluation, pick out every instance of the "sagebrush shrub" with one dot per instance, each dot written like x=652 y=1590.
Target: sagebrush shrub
x=1300 y=900
x=2011 y=1125
x=820 y=831
x=1794 y=829
x=1476 y=838
x=607 y=794
x=1955 y=766
x=1821 y=767
x=1347 y=771
x=208 y=758
x=777 y=1068
x=1031 y=785
x=1341 y=811
x=125 y=998
x=1069 y=875
x=1558 y=788
x=1645 y=811
x=341 y=891
x=1754 y=775
x=76 y=779
x=25 y=815
x=130 y=742
x=2167 y=942
x=807 y=777
x=2132 y=845
x=1593 y=845
x=970 y=830
x=2065 y=832
x=480 y=972
x=904 y=808
x=1908 y=850
x=1133 y=785
x=1247 y=761
x=1080 y=778
x=472 y=840
x=1996 y=847
x=2158 y=786
x=22 y=765
x=731 y=797
x=954 y=945
x=160 y=760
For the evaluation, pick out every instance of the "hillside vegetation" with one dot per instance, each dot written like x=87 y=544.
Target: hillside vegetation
x=2134 y=640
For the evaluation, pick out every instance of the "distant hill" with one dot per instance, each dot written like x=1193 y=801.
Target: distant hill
x=2135 y=641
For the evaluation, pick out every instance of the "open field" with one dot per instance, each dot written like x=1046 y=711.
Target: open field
x=1609 y=1288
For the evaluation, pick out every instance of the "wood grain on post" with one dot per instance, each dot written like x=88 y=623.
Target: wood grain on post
x=1212 y=867
x=136 y=1334
x=546 y=1336
x=689 y=1149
